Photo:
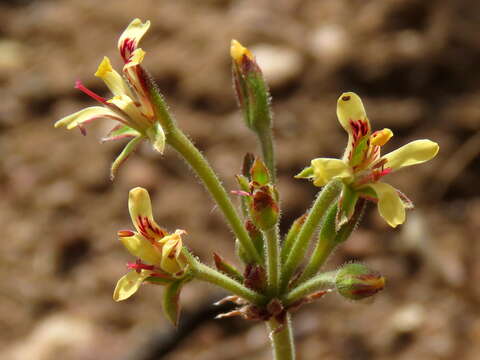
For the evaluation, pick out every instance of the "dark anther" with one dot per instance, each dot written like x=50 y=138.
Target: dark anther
x=345 y=98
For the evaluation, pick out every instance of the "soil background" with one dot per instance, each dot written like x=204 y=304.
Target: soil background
x=416 y=65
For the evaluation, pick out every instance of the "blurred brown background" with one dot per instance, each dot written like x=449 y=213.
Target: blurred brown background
x=414 y=62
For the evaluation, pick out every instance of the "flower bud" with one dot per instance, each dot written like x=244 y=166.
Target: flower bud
x=250 y=87
x=264 y=208
x=356 y=281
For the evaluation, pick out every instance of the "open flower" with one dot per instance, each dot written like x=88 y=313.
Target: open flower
x=362 y=165
x=159 y=254
x=131 y=104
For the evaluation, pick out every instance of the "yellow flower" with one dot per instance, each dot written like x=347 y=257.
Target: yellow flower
x=159 y=254
x=130 y=105
x=362 y=165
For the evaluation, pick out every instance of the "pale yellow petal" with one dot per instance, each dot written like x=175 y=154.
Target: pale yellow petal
x=326 y=169
x=171 y=250
x=85 y=116
x=132 y=35
x=135 y=59
x=141 y=248
x=350 y=108
x=129 y=284
x=112 y=79
x=135 y=117
x=140 y=208
x=413 y=153
x=390 y=206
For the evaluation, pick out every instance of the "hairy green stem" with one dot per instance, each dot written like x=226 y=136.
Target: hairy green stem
x=203 y=272
x=321 y=281
x=266 y=141
x=195 y=159
x=273 y=259
x=283 y=344
x=329 y=238
x=323 y=201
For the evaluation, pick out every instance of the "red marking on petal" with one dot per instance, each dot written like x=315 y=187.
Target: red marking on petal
x=82 y=88
x=126 y=49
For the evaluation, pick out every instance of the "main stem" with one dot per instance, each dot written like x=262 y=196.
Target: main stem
x=273 y=257
x=323 y=201
x=190 y=153
x=282 y=341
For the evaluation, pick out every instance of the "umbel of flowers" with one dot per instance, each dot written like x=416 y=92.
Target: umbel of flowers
x=278 y=275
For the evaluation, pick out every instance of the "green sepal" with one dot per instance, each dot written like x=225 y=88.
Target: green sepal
x=306 y=173
x=120 y=132
x=228 y=269
x=359 y=151
x=171 y=301
x=259 y=101
x=243 y=183
x=157 y=137
x=127 y=150
x=346 y=206
x=259 y=173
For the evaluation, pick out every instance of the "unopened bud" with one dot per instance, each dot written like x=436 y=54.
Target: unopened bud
x=264 y=209
x=356 y=282
x=250 y=87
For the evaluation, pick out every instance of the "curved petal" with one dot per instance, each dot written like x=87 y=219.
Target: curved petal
x=141 y=248
x=135 y=59
x=390 y=206
x=112 y=79
x=140 y=208
x=413 y=153
x=325 y=169
x=130 y=38
x=171 y=250
x=129 y=284
x=128 y=106
x=85 y=116
x=350 y=109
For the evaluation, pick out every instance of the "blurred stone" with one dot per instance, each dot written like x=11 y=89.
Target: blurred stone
x=408 y=318
x=279 y=64
x=330 y=43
